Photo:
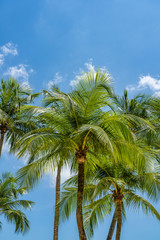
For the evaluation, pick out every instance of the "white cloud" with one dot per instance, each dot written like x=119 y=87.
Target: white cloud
x=147 y=82
x=19 y=71
x=89 y=67
x=65 y=174
x=9 y=48
x=31 y=70
x=1 y=59
x=57 y=79
x=73 y=83
x=157 y=94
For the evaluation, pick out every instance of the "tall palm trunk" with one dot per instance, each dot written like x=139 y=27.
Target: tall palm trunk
x=79 y=215
x=112 y=227
x=56 y=216
x=1 y=141
x=119 y=219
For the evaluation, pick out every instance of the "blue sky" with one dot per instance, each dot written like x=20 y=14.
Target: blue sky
x=48 y=41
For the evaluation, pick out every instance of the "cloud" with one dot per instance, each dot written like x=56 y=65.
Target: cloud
x=19 y=71
x=157 y=94
x=1 y=59
x=89 y=68
x=65 y=174
x=147 y=82
x=89 y=65
x=57 y=79
x=73 y=83
x=9 y=48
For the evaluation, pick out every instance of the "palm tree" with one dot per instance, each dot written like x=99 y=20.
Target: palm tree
x=118 y=185
x=46 y=156
x=13 y=96
x=79 y=127
x=112 y=226
x=143 y=106
x=113 y=187
x=136 y=106
x=10 y=205
x=154 y=109
x=88 y=124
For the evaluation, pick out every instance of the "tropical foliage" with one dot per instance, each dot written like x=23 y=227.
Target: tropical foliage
x=110 y=143
x=10 y=204
x=13 y=96
x=112 y=188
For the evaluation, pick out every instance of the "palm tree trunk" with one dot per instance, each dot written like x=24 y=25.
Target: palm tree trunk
x=112 y=227
x=1 y=142
x=119 y=219
x=56 y=216
x=79 y=215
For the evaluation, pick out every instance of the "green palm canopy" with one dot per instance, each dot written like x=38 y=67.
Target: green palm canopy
x=10 y=205
x=13 y=95
x=75 y=125
x=112 y=187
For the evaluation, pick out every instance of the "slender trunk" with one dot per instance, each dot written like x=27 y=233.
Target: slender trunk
x=79 y=215
x=56 y=216
x=1 y=142
x=119 y=219
x=112 y=227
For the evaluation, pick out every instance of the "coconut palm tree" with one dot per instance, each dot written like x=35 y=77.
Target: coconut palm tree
x=123 y=194
x=121 y=185
x=143 y=106
x=13 y=96
x=46 y=156
x=154 y=108
x=112 y=226
x=10 y=205
x=115 y=187
x=136 y=106
x=80 y=126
